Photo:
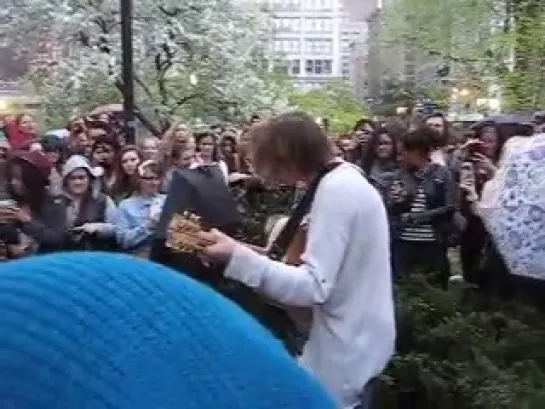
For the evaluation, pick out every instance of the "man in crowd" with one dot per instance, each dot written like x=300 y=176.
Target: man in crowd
x=345 y=272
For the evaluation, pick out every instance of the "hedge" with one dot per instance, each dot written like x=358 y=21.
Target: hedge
x=463 y=349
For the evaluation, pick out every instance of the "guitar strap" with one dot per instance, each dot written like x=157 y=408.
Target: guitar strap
x=284 y=239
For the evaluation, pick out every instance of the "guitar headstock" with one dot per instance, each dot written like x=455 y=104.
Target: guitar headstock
x=183 y=233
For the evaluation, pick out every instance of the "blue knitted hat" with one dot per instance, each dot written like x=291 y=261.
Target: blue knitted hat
x=90 y=331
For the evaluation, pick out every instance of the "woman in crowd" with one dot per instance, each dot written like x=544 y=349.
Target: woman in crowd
x=346 y=145
x=245 y=165
x=420 y=200
x=149 y=147
x=183 y=157
x=208 y=153
x=36 y=215
x=21 y=131
x=336 y=148
x=79 y=142
x=228 y=151
x=54 y=150
x=90 y=214
x=380 y=161
x=4 y=151
x=103 y=154
x=126 y=179
x=138 y=215
x=363 y=131
x=510 y=204
x=181 y=136
x=478 y=159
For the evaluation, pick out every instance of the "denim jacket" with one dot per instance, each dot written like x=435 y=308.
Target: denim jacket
x=440 y=191
x=132 y=221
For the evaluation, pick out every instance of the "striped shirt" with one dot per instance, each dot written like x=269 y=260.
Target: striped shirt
x=421 y=232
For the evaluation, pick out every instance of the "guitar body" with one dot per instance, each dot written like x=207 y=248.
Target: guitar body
x=302 y=316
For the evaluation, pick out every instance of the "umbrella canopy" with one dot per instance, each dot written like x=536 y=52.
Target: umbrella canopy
x=522 y=121
x=104 y=109
x=513 y=206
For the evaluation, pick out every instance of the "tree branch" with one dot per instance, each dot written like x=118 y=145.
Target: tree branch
x=182 y=101
x=138 y=114
x=144 y=87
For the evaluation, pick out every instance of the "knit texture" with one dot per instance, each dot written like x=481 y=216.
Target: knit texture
x=94 y=330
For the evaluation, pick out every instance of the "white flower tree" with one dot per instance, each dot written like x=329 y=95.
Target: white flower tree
x=192 y=59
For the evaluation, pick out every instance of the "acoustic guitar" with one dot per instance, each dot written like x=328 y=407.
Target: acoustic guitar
x=183 y=236
x=302 y=316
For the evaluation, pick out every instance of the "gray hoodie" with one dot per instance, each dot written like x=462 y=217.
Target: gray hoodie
x=104 y=227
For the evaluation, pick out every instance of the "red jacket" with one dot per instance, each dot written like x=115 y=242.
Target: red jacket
x=18 y=139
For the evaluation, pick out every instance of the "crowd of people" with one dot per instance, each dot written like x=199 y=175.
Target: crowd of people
x=432 y=179
x=92 y=190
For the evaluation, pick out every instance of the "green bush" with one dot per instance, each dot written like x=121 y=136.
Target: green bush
x=464 y=350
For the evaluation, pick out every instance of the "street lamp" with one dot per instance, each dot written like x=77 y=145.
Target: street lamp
x=193 y=80
x=127 y=70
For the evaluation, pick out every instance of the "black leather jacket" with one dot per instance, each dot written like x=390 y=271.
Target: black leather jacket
x=440 y=191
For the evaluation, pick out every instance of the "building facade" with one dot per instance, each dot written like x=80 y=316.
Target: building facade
x=311 y=40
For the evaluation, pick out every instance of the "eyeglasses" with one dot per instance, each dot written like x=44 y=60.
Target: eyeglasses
x=149 y=178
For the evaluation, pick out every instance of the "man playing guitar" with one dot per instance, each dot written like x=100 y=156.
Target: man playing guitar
x=344 y=275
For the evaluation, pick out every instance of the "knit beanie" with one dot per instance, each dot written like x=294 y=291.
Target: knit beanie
x=108 y=331
x=36 y=159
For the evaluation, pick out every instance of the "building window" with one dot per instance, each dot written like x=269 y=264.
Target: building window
x=287 y=46
x=318 y=46
x=318 y=67
x=345 y=46
x=295 y=67
x=328 y=67
x=281 y=66
x=287 y=24
x=317 y=4
x=309 y=66
x=287 y=4
x=318 y=25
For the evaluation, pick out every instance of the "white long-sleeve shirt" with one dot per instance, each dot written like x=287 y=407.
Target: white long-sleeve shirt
x=345 y=277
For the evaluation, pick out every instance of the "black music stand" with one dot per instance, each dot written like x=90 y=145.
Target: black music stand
x=203 y=191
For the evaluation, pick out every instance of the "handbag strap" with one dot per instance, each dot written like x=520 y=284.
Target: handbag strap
x=285 y=237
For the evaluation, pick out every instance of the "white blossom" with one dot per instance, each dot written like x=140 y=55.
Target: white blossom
x=213 y=41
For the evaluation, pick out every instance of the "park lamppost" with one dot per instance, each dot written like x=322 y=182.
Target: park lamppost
x=127 y=70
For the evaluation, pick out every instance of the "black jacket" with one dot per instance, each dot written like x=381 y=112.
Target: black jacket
x=47 y=227
x=440 y=191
